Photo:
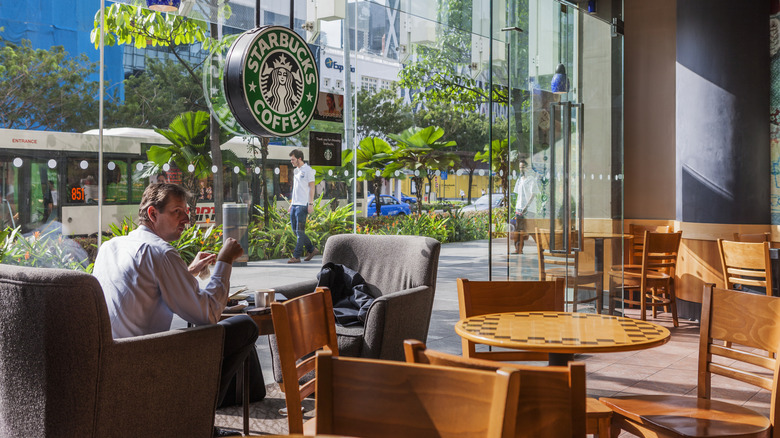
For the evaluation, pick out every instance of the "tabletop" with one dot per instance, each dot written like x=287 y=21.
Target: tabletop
x=264 y=321
x=606 y=235
x=562 y=332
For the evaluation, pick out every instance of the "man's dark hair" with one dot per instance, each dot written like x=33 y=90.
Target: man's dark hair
x=297 y=154
x=157 y=195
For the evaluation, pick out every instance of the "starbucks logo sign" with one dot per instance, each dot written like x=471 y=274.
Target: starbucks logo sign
x=271 y=81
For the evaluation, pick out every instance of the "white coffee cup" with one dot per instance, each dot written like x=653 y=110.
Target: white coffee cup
x=264 y=297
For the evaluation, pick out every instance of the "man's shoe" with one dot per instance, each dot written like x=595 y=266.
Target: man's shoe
x=310 y=255
x=218 y=431
x=294 y=260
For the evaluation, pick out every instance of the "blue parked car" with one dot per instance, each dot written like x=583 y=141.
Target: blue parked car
x=391 y=206
x=408 y=199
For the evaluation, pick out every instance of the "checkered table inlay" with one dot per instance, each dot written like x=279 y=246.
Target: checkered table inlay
x=563 y=332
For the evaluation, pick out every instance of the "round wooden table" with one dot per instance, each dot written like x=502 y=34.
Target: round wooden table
x=562 y=334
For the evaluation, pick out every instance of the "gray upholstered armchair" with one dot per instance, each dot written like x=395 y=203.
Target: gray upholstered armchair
x=62 y=374
x=401 y=273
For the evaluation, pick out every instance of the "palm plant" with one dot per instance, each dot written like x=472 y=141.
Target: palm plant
x=190 y=151
x=374 y=155
x=503 y=157
x=422 y=152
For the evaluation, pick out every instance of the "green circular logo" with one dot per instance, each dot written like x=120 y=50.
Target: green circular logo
x=279 y=81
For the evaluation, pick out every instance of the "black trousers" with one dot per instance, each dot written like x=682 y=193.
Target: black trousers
x=240 y=337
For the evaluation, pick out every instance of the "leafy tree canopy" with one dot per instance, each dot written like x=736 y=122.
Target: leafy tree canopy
x=189 y=134
x=154 y=97
x=382 y=113
x=46 y=89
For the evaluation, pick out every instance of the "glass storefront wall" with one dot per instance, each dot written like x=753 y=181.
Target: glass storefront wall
x=449 y=106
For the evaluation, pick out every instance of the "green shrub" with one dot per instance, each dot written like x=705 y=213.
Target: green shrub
x=44 y=250
x=278 y=239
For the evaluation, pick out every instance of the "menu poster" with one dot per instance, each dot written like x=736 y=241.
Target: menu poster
x=324 y=149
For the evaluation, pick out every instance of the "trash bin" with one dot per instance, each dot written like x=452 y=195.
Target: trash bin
x=235 y=220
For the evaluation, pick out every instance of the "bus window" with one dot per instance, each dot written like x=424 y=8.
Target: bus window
x=138 y=184
x=82 y=181
x=205 y=190
x=9 y=215
x=115 y=175
x=42 y=191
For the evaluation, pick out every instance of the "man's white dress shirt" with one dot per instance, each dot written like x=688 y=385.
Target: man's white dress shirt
x=145 y=282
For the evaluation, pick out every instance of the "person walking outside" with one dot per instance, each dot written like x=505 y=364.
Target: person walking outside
x=526 y=188
x=301 y=204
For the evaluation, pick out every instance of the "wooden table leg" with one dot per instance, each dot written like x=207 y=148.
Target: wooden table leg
x=560 y=359
x=246 y=395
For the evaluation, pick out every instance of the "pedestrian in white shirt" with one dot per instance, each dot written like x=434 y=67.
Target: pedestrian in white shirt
x=526 y=188
x=301 y=205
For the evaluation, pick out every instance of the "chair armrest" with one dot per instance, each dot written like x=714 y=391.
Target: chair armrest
x=408 y=313
x=166 y=381
x=296 y=289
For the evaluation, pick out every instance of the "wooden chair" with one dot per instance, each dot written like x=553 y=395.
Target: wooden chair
x=633 y=261
x=567 y=266
x=638 y=242
x=482 y=297
x=655 y=280
x=750 y=320
x=552 y=399
x=377 y=398
x=753 y=237
x=746 y=265
x=303 y=325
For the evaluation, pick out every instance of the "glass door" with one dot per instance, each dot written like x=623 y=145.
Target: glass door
x=566 y=218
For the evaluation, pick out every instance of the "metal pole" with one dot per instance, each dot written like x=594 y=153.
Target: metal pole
x=100 y=122
x=490 y=145
x=508 y=146
x=349 y=129
x=292 y=14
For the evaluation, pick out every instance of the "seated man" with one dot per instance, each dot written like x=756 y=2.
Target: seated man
x=145 y=281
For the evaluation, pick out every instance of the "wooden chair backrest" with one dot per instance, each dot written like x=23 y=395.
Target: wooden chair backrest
x=552 y=399
x=547 y=257
x=376 y=398
x=660 y=252
x=303 y=325
x=638 y=243
x=743 y=320
x=746 y=263
x=482 y=297
x=753 y=237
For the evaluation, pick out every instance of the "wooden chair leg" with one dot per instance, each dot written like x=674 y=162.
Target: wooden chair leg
x=246 y=395
x=574 y=297
x=611 y=297
x=600 y=296
x=598 y=418
x=673 y=305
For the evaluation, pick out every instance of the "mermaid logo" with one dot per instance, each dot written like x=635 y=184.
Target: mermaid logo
x=271 y=81
x=281 y=83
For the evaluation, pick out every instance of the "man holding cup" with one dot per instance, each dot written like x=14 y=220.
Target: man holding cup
x=145 y=280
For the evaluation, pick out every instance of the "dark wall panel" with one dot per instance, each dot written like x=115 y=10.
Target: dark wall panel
x=722 y=111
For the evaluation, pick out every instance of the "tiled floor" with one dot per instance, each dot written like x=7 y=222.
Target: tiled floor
x=670 y=368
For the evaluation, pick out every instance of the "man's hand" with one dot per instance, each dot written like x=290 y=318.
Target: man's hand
x=230 y=251
x=201 y=262
x=310 y=209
